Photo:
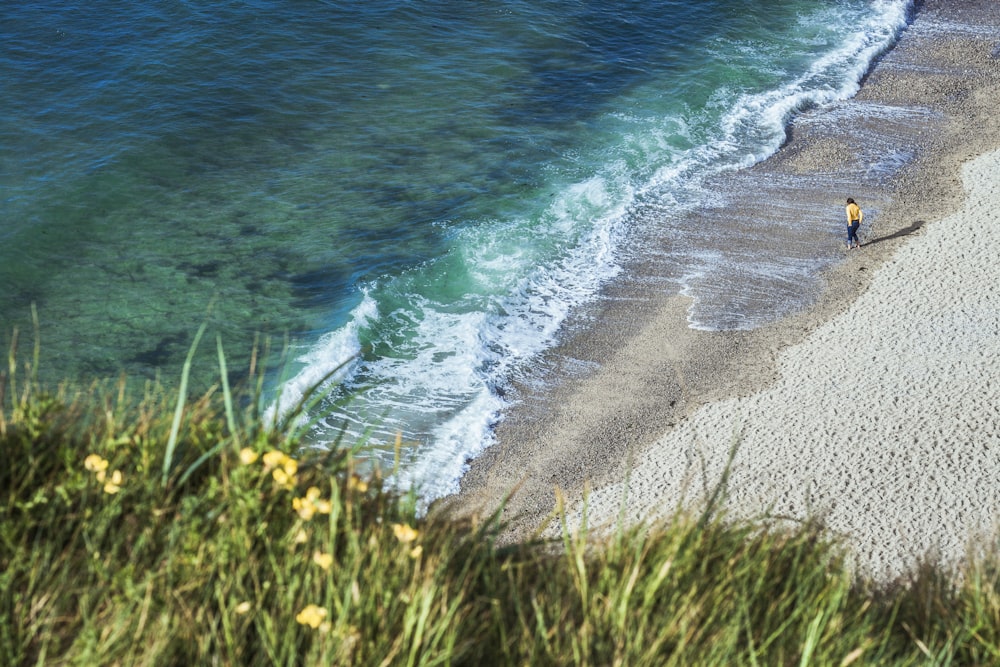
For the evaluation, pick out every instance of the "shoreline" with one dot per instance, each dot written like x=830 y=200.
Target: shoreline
x=631 y=373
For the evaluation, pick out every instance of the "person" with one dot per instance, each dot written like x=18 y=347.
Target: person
x=854 y=217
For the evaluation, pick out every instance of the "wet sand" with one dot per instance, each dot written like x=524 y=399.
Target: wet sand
x=827 y=403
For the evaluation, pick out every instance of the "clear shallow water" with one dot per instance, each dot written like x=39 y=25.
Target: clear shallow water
x=418 y=191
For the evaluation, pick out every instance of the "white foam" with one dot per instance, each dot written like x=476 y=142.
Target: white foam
x=758 y=121
x=332 y=354
x=524 y=324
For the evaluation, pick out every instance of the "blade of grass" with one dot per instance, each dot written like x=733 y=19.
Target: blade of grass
x=12 y=366
x=37 y=351
x=227 y=394
x=200 y=461
x=179 y=411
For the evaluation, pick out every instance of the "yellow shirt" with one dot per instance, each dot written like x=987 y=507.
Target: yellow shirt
x=854 y=212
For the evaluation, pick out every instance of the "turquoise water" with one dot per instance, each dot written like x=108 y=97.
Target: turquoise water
x=420 y=192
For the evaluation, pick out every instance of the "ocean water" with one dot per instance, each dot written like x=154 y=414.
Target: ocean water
x=409 y=198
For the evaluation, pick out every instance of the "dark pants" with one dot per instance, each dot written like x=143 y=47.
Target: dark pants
x=852 y=232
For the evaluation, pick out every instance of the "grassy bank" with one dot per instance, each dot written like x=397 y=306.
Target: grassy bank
x=161 y=530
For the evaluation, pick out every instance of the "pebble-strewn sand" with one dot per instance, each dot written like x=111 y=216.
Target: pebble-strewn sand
x=877 y=406
x=886 y=419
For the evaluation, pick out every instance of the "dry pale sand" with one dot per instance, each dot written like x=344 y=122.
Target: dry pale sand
x=875 y=407
x=885 y=420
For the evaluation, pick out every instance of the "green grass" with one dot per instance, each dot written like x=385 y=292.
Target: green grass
x=222 y=540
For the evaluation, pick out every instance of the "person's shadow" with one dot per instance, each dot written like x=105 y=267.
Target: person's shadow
x=901 y=233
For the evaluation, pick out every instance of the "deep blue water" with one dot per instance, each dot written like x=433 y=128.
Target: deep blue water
x=421 y=191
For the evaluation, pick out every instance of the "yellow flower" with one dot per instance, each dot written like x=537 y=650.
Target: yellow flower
x=304 y=507
x=355 y=483
x=323 y=506
x=285 y=471
x=114 y=484
x=312 y=616
x=322 y=559
x=404 y=533
x=274 y=458
x=416 y=552
x=301 y=537
x=94 y=463
x=242 y=608
x=247 y=456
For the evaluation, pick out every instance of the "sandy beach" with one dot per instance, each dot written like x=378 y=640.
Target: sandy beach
x=885 y=421
x=876 y=408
